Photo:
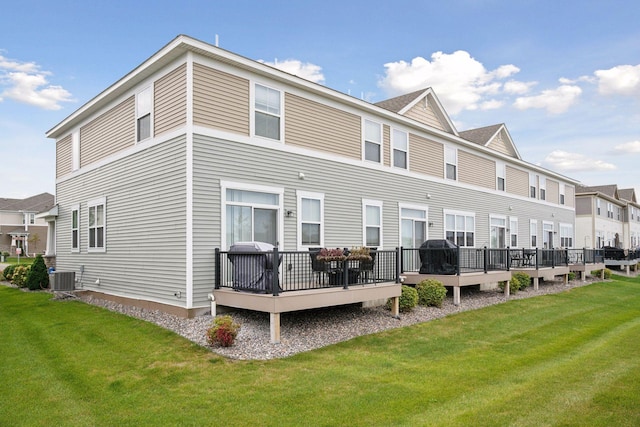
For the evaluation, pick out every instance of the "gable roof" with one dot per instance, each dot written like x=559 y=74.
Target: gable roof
x=398 y=103
x=38 y=203
x=488 y=136
x=610 y=190
x=628 y=194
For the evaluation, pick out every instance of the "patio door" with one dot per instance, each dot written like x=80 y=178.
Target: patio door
x=413 y=233
x=547 y=235
x=498 y=237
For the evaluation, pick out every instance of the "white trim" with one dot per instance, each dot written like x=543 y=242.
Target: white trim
x=393 y=148
x=511 y=231
x=451 y=150
x=466 y=214
x=189 y=183
x=376 y=203
x=402 y=206
x=94 y=203
x=252 y=110
x=534 y=222
x=141 y=113
x=364 y=140
x=224 y=185
x=76 y=208
x=315 y=196
x=501 y=172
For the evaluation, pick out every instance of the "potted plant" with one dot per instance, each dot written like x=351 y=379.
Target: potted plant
x=329 y=255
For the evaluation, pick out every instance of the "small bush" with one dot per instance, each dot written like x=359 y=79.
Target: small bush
x=597 y=273
x=38 y=277
x=223 y=331
x=408 y=299
x=20 y=275
x=431 y=292
x=572 y=275
x=8 y=272
x=522 y=278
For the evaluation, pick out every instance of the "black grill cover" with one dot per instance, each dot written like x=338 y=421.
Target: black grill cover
x=438 y=257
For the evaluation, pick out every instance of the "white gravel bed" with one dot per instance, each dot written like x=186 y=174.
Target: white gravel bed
x=310 y=329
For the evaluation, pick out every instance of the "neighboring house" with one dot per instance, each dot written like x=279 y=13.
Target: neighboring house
x=607 y=216
x=198 y=148
x=19 y=226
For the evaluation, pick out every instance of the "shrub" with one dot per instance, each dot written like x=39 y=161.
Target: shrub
x=572 y=275
x=607 y=273
x=431 y=292
x=20 y=275
x=38 y=277
x=523 y=279
x=223 y=331
x=8 y=272
x=408 y=299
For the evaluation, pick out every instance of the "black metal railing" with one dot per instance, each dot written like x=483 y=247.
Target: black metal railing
x=277 y=271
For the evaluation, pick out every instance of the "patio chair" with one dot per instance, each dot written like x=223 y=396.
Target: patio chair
x=367 y=267
x=319 y=268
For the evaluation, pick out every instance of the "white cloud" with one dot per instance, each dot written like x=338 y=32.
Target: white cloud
x=555 y=101
x=559 y=160
x=632 y=147
x=25 y=82
x=518 y=88
x=491 y=104
x=621 y=80
x=460 y=81
x=298 y=68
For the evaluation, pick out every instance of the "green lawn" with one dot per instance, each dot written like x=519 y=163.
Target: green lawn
x=570 y=359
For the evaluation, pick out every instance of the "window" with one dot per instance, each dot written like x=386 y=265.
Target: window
x=400 y=148
x=451 y=162
x=143 y=114
x=498 y=231
x=562 y=191
x=547 y=235
x=543 y=188
x=598 y=206
x=97 y=225
x=500 y=176
x=513 y=232
x=75 y=150
x=609 y=210
x=372 y=141
x=267 y=108
x=310 y=219
x=533 y=230
x=566 y=235
x=252 y=213
x=460 y=228
x=532 y=185
x=413 y=226
x=75 y=228
x=372 y=220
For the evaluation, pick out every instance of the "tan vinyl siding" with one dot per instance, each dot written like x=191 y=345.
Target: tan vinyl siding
x=109 y=133
x=170 y=101
x=517 y=181
x=553 y=191
x=386 y=144
x=476 y=170
x=569 y=195
x=220 y=100
x=313 y=125
x=583 y=205
x=145 y=225
x=501 y=144
x=64 y=150
x=424 y=113
x=427 y=157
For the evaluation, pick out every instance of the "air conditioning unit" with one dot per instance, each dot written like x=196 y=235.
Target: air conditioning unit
x=62 y=280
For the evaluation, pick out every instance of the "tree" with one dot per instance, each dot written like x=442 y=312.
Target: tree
x=38 y=277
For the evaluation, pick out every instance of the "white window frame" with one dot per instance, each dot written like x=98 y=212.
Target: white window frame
x=513 y=231
x=566 y=232
x=562 y=194
x=75 y=150
x=598 y=207
x=542 y=187
x=144 y=97
x=102 y=201
x=464 y=230
x=533 y=232
x=279 y=114
x=501 y=174
x=498 y=221
x=399 y=136
x=533 y=186
x=451 y=158
x=75 y=209
x=229 y=185
x=365 y=224
x=371 y=139
x=548 y=226
x=309 y=196
x=423 y=208
x=610 y=210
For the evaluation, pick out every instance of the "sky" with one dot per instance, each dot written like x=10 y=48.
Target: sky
x=563 y=76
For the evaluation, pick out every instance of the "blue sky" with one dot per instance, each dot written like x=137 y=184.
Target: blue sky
x=564 y=76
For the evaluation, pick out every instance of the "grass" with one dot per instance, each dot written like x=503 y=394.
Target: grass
x=570 y=359
x=23 y=260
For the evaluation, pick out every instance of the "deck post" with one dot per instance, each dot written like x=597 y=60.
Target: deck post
x=216 y=278
x=395 y=307
x=536 y=282
x=274 y=324
x=456 y=295
x=507 y=289
x=566 y=279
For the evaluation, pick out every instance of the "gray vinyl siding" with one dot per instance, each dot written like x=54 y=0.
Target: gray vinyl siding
x=109 y=133
x=170 y=101
x=517 y=181
x=476 y=170
x=220 y=100
x=425 y=114
x=313 y=125
x=64 y=151
x=145 y=225
x=427 y=157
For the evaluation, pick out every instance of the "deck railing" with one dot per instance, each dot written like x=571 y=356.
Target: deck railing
x=300 y=270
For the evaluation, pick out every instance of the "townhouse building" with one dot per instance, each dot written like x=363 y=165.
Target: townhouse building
x=199 y=148
x=20 y=227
